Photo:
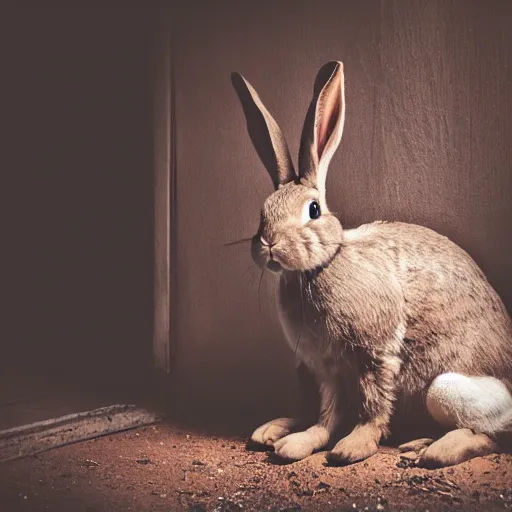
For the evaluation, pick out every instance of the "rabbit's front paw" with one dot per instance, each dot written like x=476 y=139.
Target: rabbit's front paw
x=270 y=432
x=358 y=445
x=295 y=446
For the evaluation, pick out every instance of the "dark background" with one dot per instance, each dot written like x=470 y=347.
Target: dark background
x=77 y=167
x=428 y=139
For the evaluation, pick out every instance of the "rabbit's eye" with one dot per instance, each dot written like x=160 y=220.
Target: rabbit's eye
x=310 y=211
x=314 y=210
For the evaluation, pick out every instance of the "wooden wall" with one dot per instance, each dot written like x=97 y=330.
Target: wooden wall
x=428 y=139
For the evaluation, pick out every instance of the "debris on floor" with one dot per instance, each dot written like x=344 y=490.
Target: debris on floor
x=161 y=468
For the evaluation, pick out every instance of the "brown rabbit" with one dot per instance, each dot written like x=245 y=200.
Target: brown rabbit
x=378 y=315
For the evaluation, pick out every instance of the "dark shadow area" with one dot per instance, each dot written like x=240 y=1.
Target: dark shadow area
x=207 y=410
x=78 y=159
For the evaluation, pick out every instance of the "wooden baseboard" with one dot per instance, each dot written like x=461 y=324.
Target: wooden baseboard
x=35 y=438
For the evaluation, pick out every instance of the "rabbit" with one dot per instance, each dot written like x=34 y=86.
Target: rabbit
x=377 y=315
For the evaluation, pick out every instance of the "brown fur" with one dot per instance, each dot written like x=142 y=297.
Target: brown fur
x=374 y=313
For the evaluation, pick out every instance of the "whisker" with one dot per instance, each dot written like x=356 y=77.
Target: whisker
x=301 y=314
x=311 y=331
x=251 y=266
x=277 y=299
x=248 y=278
x=259 y=289
x=241 y=241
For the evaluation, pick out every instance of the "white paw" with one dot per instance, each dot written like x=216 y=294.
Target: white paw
x=295 y=446
x=270 y=432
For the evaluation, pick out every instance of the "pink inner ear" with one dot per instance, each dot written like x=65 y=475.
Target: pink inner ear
x=328 y=112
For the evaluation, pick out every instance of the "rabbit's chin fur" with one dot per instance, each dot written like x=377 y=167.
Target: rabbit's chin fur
x=288 y=239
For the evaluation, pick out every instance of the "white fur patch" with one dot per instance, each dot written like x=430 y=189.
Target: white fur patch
x=483 y=404
x=400 y=333
x=358 y=233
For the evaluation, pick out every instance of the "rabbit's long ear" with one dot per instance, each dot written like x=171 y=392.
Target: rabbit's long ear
x=323 y=126
x=265 y=134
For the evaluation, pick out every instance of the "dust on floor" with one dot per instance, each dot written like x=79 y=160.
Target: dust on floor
x=164 y=468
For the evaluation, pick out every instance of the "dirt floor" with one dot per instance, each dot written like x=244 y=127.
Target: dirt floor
x=164 y=468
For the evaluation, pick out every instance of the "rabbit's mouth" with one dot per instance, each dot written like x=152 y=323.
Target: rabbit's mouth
x=274 y=266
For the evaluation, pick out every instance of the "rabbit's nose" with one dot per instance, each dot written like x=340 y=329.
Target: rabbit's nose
x=265 y=243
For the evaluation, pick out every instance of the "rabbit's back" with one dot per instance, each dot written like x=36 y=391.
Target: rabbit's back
x=454 y=319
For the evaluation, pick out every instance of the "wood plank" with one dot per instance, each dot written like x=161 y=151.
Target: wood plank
x=162 y=196
x=35 y=438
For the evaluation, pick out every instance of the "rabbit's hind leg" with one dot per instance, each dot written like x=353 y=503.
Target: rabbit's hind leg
x=476 y=408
